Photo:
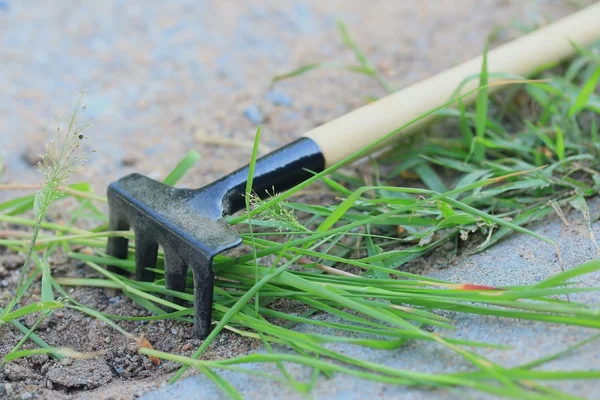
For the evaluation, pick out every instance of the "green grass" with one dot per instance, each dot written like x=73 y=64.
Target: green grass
x=518 y=157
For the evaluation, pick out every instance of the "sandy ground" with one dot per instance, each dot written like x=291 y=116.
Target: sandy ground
x=162 y=77
x=159 y=78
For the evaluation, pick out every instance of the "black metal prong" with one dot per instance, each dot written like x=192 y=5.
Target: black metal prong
x=117 y=246
x=203 y=294
x=175 y=273
x=146 y=252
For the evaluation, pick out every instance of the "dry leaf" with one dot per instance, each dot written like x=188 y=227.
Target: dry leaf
x=143 y=342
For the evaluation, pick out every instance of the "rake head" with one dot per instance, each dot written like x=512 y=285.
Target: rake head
x=187 y=224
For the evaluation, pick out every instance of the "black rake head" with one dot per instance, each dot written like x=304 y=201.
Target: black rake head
x=187 y=224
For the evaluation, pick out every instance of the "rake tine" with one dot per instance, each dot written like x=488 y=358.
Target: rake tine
x=203 y=294
x=175 y=273
x=146 y=253
x=117 y=246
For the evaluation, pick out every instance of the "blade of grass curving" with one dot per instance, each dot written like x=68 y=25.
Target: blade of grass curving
x=187 y=162
x=583 y=97
x=430 y=178
x=35 y=338
x=291 y=382
x=227 y=387
x=309 y=67
x=247 y=197
x=561 y=278
x=373 y=250
x=481 y=109
x=362 y=58
x=557 y=355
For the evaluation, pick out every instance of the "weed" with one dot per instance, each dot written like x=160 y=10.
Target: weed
x=58 y=165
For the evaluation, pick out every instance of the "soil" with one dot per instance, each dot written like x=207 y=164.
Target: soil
x=43 y=376
x=160 y=81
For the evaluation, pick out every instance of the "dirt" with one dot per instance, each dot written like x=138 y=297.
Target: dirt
x=161 y=81
x=44 y=377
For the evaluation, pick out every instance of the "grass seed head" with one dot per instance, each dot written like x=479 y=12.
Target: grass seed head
x=280 y=212
x=60 y=161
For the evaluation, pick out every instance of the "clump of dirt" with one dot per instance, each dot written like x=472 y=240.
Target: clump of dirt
x=79 y=374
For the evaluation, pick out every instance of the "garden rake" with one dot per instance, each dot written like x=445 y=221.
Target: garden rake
x=189 y=223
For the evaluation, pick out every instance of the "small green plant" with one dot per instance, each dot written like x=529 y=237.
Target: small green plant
x=59 y=163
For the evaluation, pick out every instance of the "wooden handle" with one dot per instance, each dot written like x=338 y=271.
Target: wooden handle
x=348 y=134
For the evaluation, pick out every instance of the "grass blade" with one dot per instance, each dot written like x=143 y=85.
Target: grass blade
x=249 y=194
x=182 y=167
x=481 y=109
x=583 y=97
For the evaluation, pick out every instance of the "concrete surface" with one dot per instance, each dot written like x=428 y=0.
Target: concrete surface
x=519 y=260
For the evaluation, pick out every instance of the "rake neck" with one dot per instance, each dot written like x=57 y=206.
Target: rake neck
x=273 y=173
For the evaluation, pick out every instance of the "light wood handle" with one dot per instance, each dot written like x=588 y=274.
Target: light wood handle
x=348 y=134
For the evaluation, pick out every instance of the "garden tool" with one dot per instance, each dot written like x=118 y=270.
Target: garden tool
x=189 y=223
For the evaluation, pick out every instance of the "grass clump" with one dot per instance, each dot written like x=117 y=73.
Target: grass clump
x=59 y=163
x=518 y=157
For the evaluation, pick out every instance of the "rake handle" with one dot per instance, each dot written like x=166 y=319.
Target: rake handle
x=356 y=130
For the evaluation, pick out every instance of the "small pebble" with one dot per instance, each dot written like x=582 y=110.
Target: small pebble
x=49 y=384
x=174 y=331
x=114 y=300
x=4 y=283
x=279 y=98
x=3 y=271
x=26 y=396
x=66 y=361
x=88 y=251
x=129 y=161
x=8 y=389
x=186 y=347
x=132 y=347
x=32 y=155
x=170 y=366
x=254 y=115
x=13 y=261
